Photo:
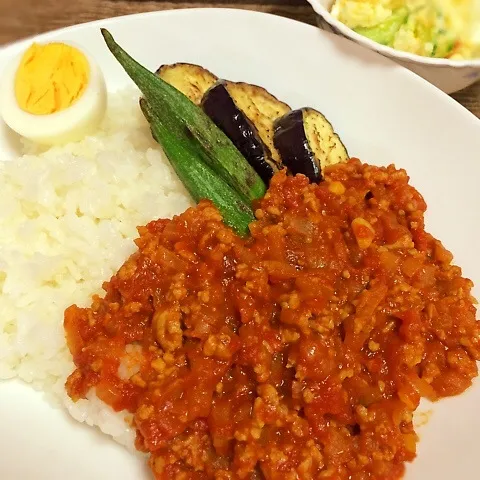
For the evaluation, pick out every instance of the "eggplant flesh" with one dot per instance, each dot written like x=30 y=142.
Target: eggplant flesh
x=307 y=143
x=264 y=129
x=192 y=80
x=220 y=107
x=246 y=113
x=262 y=109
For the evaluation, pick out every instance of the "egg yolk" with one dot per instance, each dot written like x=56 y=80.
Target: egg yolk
x=50 y=78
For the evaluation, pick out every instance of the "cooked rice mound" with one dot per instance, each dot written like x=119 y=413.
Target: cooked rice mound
x=68 y=216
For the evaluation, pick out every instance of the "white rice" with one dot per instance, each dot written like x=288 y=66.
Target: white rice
x=68 y=217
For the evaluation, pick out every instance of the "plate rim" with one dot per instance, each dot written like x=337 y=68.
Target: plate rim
x=13 y=47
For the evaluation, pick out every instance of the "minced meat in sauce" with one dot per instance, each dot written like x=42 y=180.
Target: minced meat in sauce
x=298 y=353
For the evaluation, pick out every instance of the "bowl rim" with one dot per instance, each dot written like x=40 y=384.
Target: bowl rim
x=389 y=51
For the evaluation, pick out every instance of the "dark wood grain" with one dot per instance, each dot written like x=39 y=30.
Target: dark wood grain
x=23 y=18
x=470 y=98
x=37 y=16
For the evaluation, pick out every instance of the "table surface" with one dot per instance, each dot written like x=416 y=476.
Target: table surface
x=22 y=18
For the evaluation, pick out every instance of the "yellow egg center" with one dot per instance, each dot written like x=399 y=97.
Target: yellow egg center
x=50 y=78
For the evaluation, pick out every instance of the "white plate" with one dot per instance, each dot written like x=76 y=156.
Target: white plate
x=384 y=113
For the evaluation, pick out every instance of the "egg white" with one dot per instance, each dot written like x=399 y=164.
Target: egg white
x=68 y=125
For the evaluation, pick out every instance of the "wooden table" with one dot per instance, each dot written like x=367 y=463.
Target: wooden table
x=21 y=18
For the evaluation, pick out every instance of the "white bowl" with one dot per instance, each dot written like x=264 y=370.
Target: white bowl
x=448 y=75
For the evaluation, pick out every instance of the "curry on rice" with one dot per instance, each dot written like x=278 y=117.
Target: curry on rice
x=301 y=351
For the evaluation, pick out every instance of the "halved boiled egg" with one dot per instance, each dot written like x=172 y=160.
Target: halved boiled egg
x=53 y=93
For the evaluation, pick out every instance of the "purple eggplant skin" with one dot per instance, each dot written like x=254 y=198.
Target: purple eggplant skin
x=291 y=141
x=220 y=107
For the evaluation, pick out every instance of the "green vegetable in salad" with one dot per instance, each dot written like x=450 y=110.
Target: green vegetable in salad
x=384 y=33
x=443 y=40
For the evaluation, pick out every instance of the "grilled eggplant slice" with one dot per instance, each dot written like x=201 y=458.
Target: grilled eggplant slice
x=192 y=80
x=307 y=143
x=246 y=114
x=220 y=107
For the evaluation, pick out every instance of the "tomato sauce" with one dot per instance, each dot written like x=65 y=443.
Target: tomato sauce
x=301 y=352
